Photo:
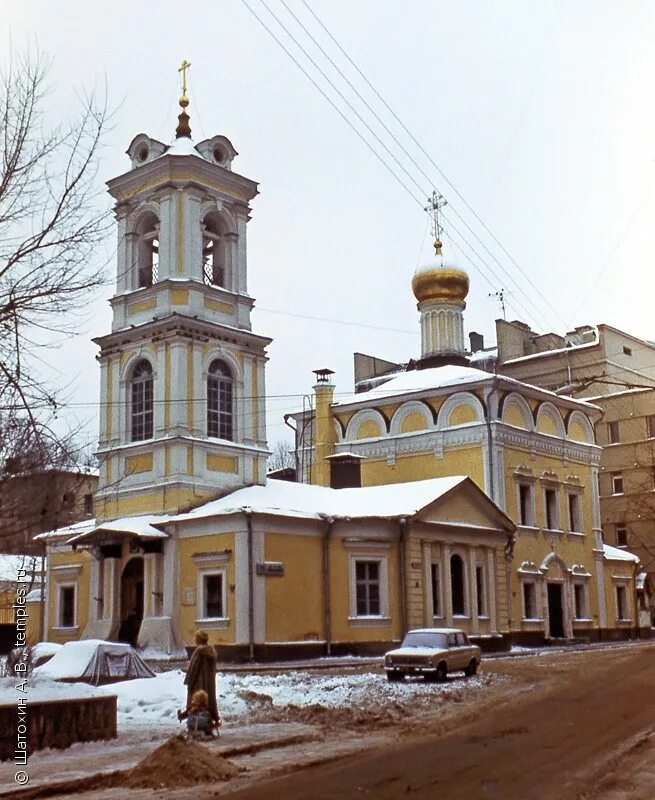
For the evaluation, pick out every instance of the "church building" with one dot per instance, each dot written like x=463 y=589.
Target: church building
x=413 y=491
x=533 y=452
x=189 y=533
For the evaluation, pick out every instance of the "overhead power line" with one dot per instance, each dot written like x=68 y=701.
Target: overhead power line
x=497 y=281
x=430 y=159
x=390 y=133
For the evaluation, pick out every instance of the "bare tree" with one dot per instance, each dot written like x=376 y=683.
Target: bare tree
x=282 y=456
x=50 y=230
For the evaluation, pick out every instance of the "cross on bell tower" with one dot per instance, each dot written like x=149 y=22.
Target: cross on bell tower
x=182 y=373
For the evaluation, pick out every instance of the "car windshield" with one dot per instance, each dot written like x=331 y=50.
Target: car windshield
x=425 y=640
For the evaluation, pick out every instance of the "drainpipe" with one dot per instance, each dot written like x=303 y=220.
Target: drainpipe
x=44 y=575
x=327 y=620
x=251 y=593
x=490 y=452
x=402 y=527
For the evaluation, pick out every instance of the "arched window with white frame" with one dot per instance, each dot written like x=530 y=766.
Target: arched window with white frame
x=220 y=401
x=147 y=255
x=214 y=252
x=141 y=402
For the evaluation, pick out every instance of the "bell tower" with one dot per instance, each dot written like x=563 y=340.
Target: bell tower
x=182 y=415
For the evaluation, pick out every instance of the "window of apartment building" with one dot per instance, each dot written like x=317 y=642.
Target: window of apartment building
x=613 y=432
x=627 y=351
x=526 y=505
x=66 y=606
x=650 y=423
x=481 y=586
x=622 y=608
x=575 y=512
x=67 y=501
x=88 y=504
x=458 y=585
x=551 y=507
x=617 y=482
x=367 y=588
x=581 y=600
x=436 y=590
x=621 y=536
x=529 y=600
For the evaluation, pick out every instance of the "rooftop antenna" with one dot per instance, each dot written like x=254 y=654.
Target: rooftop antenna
x=435 y=203
x=500 y=295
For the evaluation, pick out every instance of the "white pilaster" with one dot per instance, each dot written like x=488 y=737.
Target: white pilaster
x=491 y=591
x=473 y=589
x=447 y=586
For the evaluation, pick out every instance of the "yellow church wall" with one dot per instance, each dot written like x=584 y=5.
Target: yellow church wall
x=33 y=628
x=139 y=463
x=218 y=463
x=546 y=424
x=577 y=432
x=82 y=581
x=188 y=580
x=368 y=429
x=294 y=601
x=343 y=629
x=421 y=466
x=619 y=572
x=512 y=416
x=413 y=422
x=160 y=501
x=461 y=415
x=179 y=297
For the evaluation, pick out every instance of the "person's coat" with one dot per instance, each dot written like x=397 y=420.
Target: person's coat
x=202 y=675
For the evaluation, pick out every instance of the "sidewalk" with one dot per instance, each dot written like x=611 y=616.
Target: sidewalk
x=53 y=766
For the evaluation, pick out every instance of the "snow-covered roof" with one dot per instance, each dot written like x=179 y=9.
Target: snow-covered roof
x=618 y=554
x=83 y=526
x=11 y=564
x=284 y=498
x=182 y=146
x=449 y=375
x=141 y=526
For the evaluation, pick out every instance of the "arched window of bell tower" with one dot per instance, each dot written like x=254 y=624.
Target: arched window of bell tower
x=214 y=251
x=147 y=260
x=220 y=401
x=141 y=402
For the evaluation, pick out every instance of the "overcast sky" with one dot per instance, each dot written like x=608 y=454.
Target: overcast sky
x=540 y=114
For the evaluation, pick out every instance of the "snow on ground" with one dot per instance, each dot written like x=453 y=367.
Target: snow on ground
x=152 y=702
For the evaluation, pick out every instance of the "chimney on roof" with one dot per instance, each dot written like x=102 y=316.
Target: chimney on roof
x=477 y=341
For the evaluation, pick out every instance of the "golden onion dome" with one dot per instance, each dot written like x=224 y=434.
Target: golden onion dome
x=440 y=280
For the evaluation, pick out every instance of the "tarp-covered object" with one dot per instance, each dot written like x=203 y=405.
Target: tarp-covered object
x=95 y=661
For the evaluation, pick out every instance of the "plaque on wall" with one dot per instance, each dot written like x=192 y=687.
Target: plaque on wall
x=270 y=568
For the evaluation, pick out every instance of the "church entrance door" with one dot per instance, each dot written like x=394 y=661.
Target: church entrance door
x=555 y=611
x=131 y=601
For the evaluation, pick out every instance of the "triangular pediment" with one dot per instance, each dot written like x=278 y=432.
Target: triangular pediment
x=466 y=504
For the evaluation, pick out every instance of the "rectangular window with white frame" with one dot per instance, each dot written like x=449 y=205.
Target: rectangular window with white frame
x=529 y=597
x=574 y=501
x=67 y=605
x=581 y=600
x=435 y=585
x=212 y=594
x=551 y=509
x=526 y=504
x=369 y=593
x=622 y=604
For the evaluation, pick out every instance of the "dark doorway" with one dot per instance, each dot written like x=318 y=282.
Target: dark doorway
x=555 y=611
x=457 y=582
x=131 y=601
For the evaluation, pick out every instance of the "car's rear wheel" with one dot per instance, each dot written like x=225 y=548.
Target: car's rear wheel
x=471 y=669
x=441 y=673
x=394 y=676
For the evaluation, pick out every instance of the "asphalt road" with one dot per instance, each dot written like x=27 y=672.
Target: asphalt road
x=555 y=741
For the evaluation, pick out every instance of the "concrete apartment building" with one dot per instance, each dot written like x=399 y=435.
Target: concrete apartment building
x=613 y=370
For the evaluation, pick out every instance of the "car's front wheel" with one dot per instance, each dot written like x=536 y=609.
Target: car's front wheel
x=442 y=672
x=394 y=675
x=471 y=669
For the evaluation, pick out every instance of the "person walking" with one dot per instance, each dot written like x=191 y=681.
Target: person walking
x=201 y=675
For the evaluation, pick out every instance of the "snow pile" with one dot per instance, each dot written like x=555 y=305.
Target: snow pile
x=44 y=689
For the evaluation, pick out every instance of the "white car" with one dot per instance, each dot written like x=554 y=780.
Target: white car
x=433 y=653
